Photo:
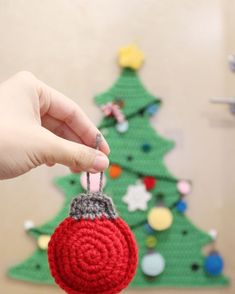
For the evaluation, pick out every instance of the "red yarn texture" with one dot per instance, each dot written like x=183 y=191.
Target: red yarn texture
x=93 y=256
x=149 y=182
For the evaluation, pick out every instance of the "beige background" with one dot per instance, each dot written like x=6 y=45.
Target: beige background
x=72 y=44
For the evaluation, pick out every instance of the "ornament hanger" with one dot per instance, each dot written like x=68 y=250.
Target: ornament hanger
x=97 y=145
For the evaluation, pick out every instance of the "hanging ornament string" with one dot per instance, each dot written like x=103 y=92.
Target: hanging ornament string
x=97 y=145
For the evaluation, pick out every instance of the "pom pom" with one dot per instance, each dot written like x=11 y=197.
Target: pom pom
x=149 y=182
x=184 y=187
x=181 y=206
x=213 y=233
x=160 y=218
x=43 y=242
x=115 y=171
x=28 y=224
x=153 y=264
x=214 y=264
x=122 y=127
x=148 y=230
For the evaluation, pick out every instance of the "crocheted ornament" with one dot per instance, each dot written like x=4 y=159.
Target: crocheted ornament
x=93 y=250
x=149 y=182
x=131 y=56
x=113 y=109
x=214 y=264
x=137 y=197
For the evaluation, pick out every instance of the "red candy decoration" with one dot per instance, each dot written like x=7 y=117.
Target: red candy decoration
x=93 y=251
x=149 y=182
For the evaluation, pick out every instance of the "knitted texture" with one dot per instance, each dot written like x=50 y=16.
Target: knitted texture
x=140 y=152
x=91 y=206
x=93 y=256
x=135 y=154
x=34 y=269
x=134 y=98
x=129 y=149
x=92 y=251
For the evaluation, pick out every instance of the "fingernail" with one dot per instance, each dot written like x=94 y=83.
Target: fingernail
x=101 y=163
x=108 y=149
x=105 y=145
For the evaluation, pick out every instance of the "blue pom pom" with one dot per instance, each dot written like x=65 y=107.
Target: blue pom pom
x=181 y=206
x=214 y=264
x=152 y=109
x=149 y=230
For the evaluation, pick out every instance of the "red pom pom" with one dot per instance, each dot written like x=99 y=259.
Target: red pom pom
x=93 y=256
x=149 y=182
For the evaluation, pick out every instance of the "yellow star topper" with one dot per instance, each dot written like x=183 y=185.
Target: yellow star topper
x=131 y=57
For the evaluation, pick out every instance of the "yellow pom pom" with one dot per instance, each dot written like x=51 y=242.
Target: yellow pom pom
x=131 y=57
x=43 y=241
x=151 y=242
x=160 y=218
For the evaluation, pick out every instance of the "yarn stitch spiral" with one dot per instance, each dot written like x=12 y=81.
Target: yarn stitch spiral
x=93 y=251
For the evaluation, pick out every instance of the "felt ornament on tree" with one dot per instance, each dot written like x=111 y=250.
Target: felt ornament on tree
x=93 y=250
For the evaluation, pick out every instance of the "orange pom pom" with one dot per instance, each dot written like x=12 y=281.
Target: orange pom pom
x=115 y=171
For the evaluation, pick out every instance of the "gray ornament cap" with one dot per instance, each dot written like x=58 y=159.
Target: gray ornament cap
x=92 y=205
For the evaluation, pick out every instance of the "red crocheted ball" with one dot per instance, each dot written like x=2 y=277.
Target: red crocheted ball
x=96 y=256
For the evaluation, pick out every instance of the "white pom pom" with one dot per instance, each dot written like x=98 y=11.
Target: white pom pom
x=28 y=224
x=213 y=233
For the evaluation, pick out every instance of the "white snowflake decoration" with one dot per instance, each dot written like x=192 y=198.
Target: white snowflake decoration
x=137 y=197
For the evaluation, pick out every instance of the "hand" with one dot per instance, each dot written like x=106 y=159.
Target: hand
x=39 y=125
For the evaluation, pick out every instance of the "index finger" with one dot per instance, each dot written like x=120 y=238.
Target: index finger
x=66 y=110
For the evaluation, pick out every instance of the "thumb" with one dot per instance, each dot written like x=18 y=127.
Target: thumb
x=74 y=155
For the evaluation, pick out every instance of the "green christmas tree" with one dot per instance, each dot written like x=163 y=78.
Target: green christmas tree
x=147 y=196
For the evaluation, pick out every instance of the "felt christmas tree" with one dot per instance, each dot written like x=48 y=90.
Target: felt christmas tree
x=147 y=196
